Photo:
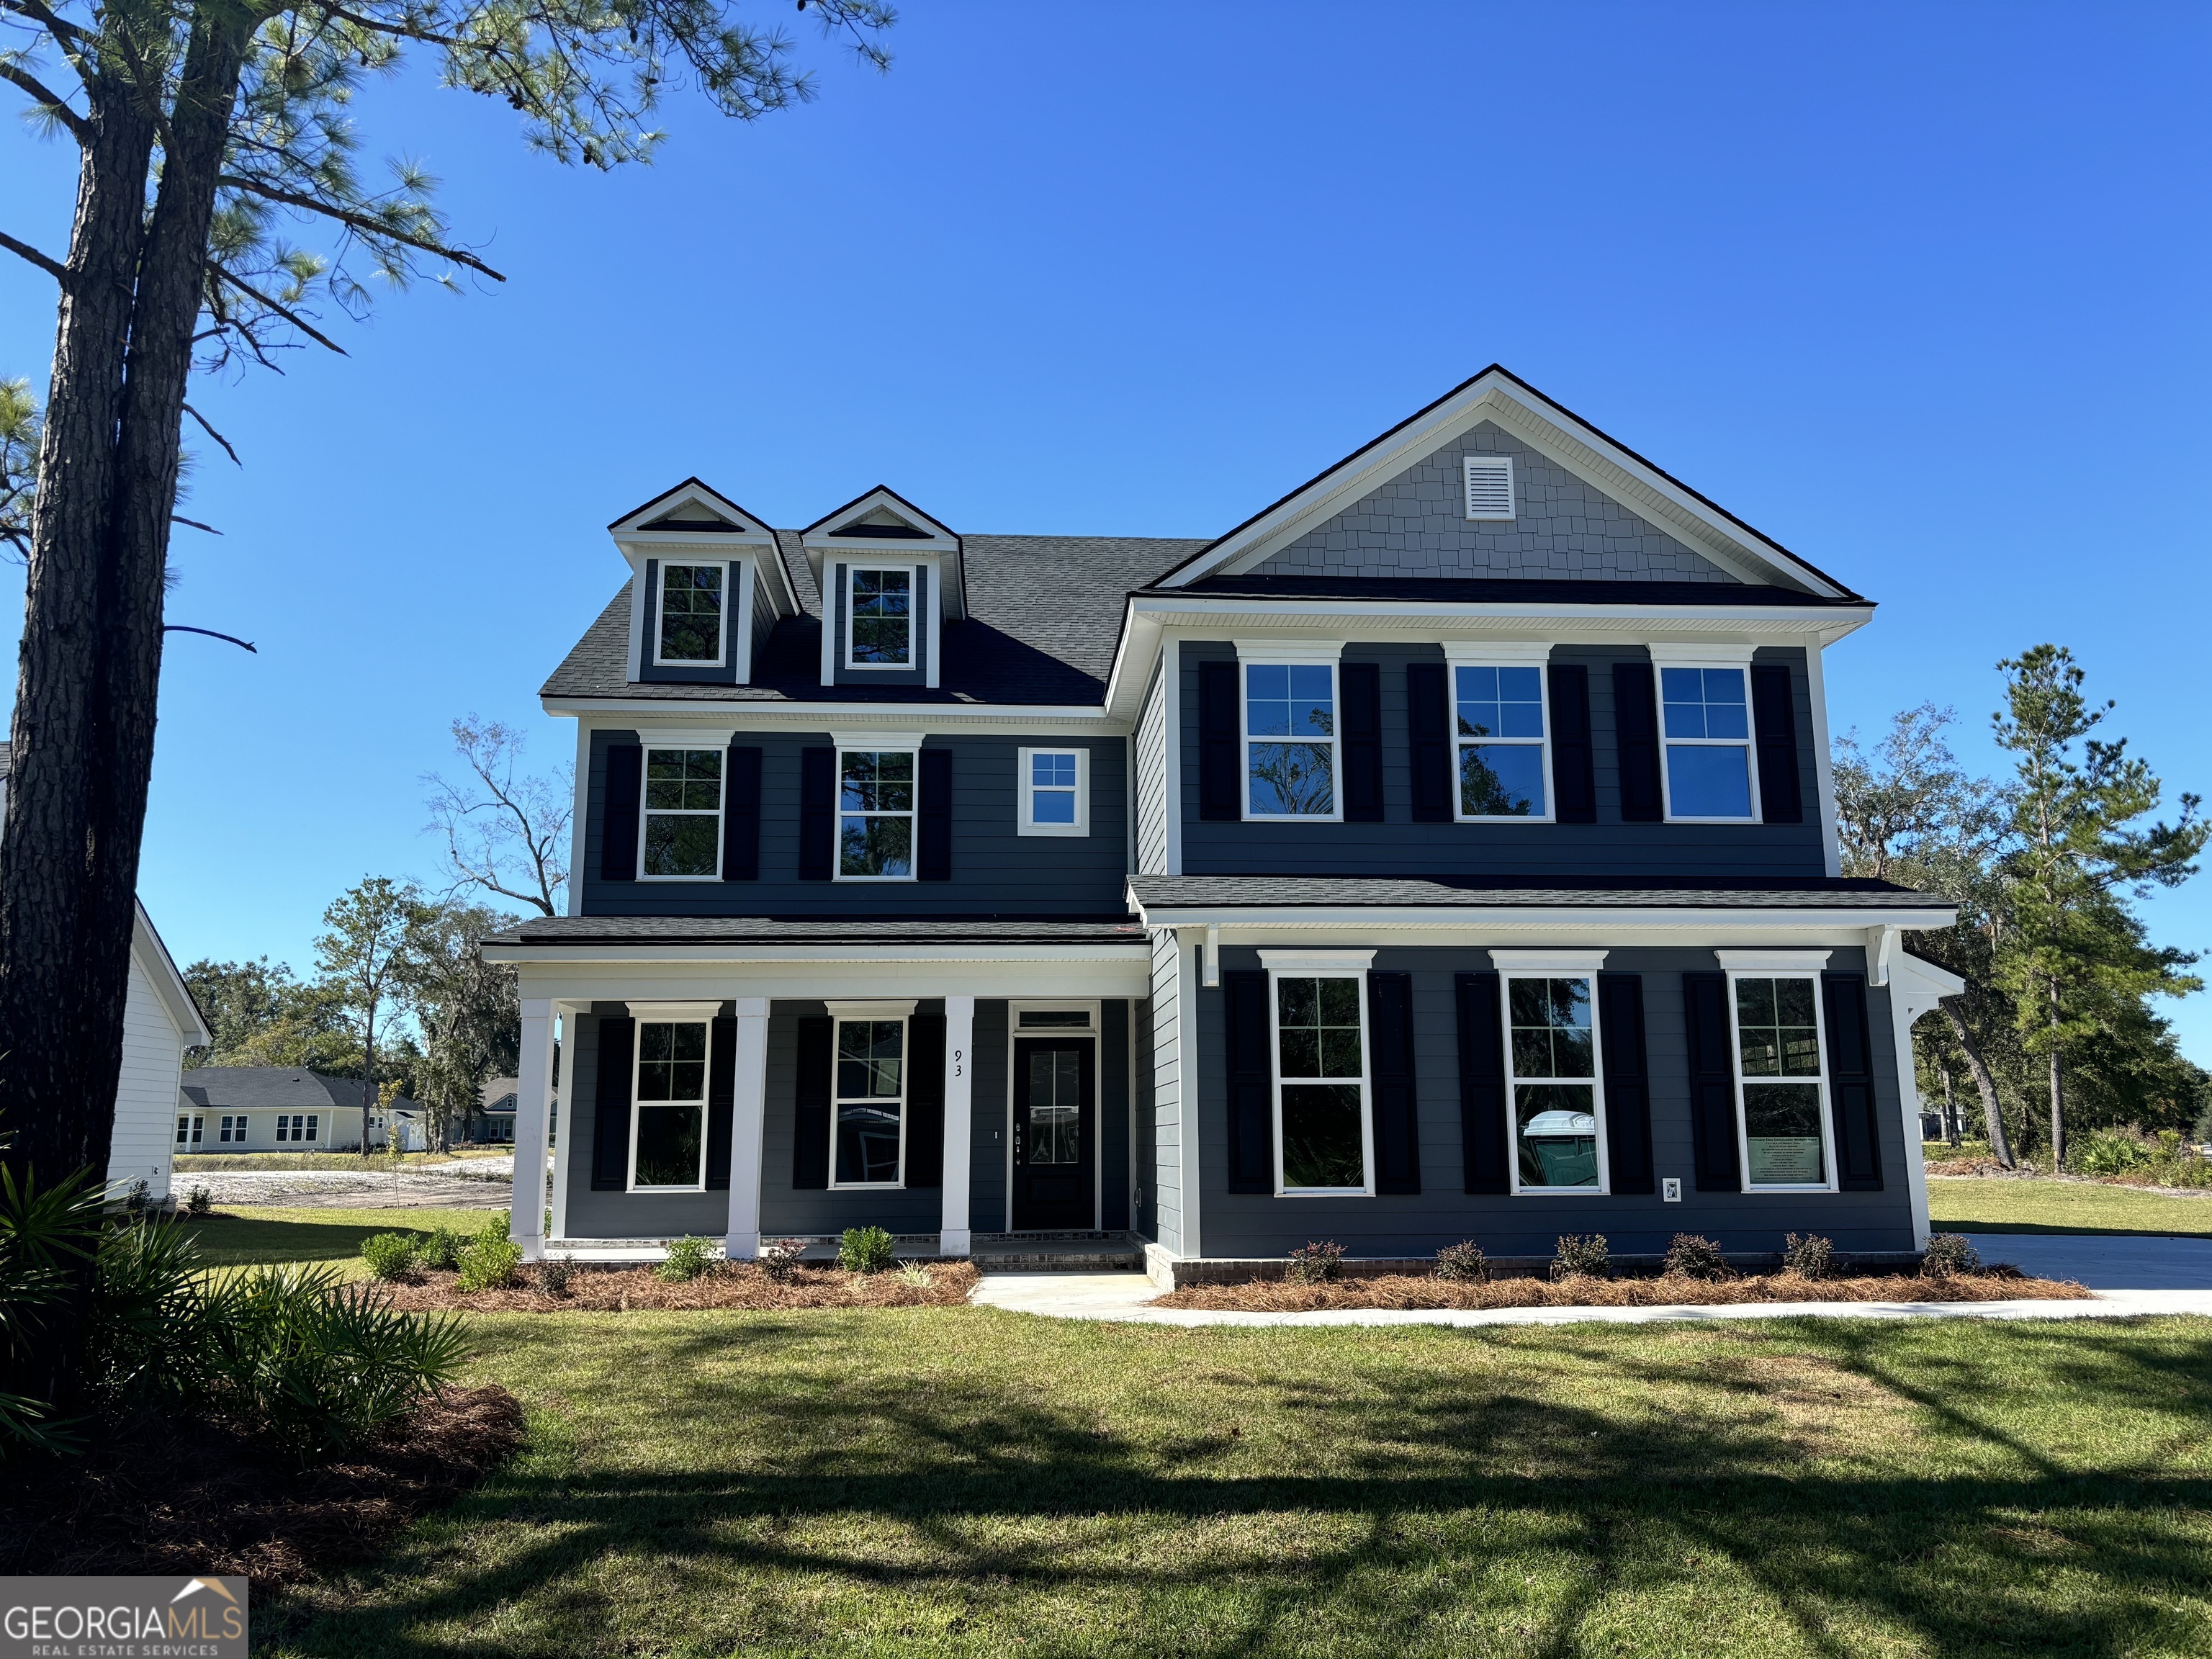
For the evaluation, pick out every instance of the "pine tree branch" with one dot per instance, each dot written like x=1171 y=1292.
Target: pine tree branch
x=214 y=434
x=179 y=518
x=49 y=105
x=61 y=28
x=286 y=313
x=59 y=272
x=359 y=222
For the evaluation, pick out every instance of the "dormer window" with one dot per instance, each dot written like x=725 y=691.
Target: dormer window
x=880 y=618
x=690 y=613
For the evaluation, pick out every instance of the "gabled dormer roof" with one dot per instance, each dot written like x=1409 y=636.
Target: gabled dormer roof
x=697 y=518
x=1497 y=396
x=883 y=522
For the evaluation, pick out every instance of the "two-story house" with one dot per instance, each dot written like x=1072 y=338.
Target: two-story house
x=1448 y=851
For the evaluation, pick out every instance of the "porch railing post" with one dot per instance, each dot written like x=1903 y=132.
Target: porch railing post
x=533 y=1098
x=749 y=1105
x=952 y=1238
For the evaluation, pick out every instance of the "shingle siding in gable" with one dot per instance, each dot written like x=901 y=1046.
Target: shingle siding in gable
x=1415 y=525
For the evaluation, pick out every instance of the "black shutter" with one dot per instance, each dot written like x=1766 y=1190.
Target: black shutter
x=817 y=813
x=1397 y=1101
x=1636 y=743
x=1851 y=1083
x=1360 y=686
x=618 y=834
x=721 y=1099
x=810 y=1143
x=933 y=858
x=1712 y=1082
x=1428 y=714
x=925 y=1100
x=741 y=815
x=1482 y=1115
x=1251 y=1094
x=610 y=1107
x=1219 y=736
x=1627 y=1082
x=1774 y=720
x=1574 y=773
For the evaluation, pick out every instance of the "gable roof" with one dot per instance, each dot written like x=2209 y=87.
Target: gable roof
x=882 y=521
x=1498 y=394
x=276 y=1089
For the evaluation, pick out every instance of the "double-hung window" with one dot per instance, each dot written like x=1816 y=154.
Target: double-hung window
x=189 y=1129
x=1781 y=1085
x=869 y=1111
x=691 y=614
x=1290 y=740
x=1055 y=792
x=1705 y=716
x=668 y=1124
x=1551 y=1073
x=230 y=1129
x=878 y=617
x=683 y=838
x=1498 y=715
x=875 y=814
x=305 y=1128
x=1324 y=1138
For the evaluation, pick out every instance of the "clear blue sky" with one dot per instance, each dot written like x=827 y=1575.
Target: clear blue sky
x=1918 y=290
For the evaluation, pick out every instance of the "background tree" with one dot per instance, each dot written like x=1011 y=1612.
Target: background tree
x=362 y=959
x=2077 y=954
x=19 y=465
x=466 y=1008
x=504 y=833
x=261 y=1015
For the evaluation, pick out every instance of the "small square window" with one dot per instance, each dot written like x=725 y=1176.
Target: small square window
x=1055 y=792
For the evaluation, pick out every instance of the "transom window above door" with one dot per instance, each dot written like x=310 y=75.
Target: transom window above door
x=1290 y=740
x=690 y=613
x=880 y=618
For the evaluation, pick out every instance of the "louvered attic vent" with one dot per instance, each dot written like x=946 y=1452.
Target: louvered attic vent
x=1489 y=486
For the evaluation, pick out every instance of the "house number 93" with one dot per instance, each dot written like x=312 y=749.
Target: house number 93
x=957 y=1069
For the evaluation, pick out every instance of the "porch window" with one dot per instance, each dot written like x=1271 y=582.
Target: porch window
x=871 y=1104
x=1708 y=725
x=1500 y=721
x=880 y=618
x=1321 y=1133
x=690 y=613
x=1290 y=740
x=875 y=815
x=1782 y=1087
x=668 y=1132
x=1557 y=1104
x=683 y=813
x=189 y=1129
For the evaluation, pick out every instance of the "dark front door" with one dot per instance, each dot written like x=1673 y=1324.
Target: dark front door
x=1055 y=1134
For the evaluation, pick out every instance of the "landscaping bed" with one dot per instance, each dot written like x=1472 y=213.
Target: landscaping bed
x=733 y=1284
x=1410 y=1290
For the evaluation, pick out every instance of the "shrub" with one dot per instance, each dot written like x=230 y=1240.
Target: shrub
x=865 y=1250
x=1693 y=1257
x=390 y=1256
x=1579 y=1253
x=2202 y=1134
x=491 y=1264
x=779 y=1256
x=2111 y=1152
x=688 y=1259
x=1317 y=1263
x=497 y=1225
x=134 y=1202
x=1949 y=1255
x=199 y=1202
x=555 y=1275
x=441 y=1250
x=915 y=1273
x=1465 y=1262
x=1808 y=1256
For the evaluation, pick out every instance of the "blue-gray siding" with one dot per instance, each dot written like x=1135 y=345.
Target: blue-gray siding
x=923 y=597
x=724 y=673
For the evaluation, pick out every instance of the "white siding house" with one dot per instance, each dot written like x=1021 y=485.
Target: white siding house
x=160 y=1022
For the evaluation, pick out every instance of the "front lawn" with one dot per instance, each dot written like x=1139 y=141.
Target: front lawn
x=2027 y=1204
x=247 y=1235
x=970 y=1481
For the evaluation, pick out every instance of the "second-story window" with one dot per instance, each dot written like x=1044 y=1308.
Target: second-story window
x=690 y=613
x=1708 y=737
x=1290 y=740
x=879 y=619
x=1055 y=791
x=1500 y=721
x=683 y=813
x=875 y=815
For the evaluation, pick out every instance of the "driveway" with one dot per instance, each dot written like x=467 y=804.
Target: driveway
x=2105 y=1262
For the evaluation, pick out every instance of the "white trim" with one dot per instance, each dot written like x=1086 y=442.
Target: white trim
x=828 y=576
x=1025 y=789
x=1334 y=964
x=954 y=1236
x=1095 y=1034
x=1773 y=961
x=533 y=1100
x=871 y=1007
x=580 y=814
x=738 y=651
x=1172 y=785
x=687 y=744
x=913 y=614
x=1245 y=741
x=663 y=1011
x=686 y=737
x=1916 y=988
x=1759 y=970
x=1467 y=653
x=1481 y=653
x=1537 y=964
x=748 y=1124
x=932 y=661
x=564 y=1090
x=901 y=744
x=1468 y=466
x=1317 y=962
x=845 y=1013
x=721 y=657
x=665 y=1014
x=877 y=740
x=1267 y=653
x=1824 y=772
x=1735 y=657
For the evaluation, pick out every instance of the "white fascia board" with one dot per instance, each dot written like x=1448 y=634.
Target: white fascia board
x=840 y=978
x=853 y=956
x=692 y=492
x=1549 y=936
x=1850 y=927
x=161 y=970
x=763 y=715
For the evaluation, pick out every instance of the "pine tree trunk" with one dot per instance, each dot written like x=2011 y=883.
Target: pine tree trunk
x=369 y=1072
x=1950 y=1110
x=2058 y=1088
x=1984 y=1085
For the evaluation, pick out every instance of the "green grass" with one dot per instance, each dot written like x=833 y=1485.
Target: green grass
x=247 y=1235
x=2014 y=1204
x=970 y=1481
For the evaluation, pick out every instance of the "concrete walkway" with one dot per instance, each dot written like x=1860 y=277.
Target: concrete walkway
x=2130 y=1277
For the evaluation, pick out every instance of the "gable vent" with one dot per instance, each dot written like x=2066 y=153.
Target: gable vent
x=1489 y=486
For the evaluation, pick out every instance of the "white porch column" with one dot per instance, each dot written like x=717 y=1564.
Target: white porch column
x=1915 y=988
x=564 y=1091
x=952 y=1237
x=533 y=1097
x=748 y=1104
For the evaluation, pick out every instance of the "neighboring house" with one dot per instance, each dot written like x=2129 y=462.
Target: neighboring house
x=1448 y=851
x=283 y=1108
x=160 y=1022
x=493 y=1119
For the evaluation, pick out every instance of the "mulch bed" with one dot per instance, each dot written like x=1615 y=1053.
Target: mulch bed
x=172 y=1495
x=737 y=1286
x=1579 y=1291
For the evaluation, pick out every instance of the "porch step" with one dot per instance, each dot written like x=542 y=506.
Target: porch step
x=1055 y=1253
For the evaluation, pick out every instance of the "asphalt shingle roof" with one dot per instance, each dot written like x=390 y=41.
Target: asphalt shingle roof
x=274 y=1089
x=838 y=931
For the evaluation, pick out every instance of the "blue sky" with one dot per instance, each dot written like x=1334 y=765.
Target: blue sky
x=1917 y=290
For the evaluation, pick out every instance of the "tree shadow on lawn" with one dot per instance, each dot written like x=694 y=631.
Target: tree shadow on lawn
x=1421 y=1510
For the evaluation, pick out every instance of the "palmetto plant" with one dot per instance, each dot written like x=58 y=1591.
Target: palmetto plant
x=39 y=1227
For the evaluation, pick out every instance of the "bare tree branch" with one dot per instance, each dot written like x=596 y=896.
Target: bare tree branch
x=49 y=103
x=359 y=222
x=288 y=315
x=52 y=268
x=214 y=434
x=503 y=834
x=179 y=518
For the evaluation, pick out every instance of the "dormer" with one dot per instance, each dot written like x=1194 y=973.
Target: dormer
x=706 y=585
x=889 y=576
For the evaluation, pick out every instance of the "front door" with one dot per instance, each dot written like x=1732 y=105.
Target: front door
x=1056 y=1135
